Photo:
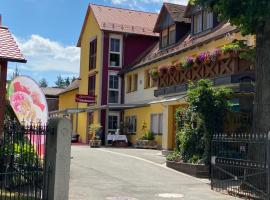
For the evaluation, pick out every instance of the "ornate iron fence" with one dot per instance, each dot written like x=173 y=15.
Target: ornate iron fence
x=240 y=165
x=22 y=162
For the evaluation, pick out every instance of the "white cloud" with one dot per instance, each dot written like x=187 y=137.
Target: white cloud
x=140 y=4
x=44 y=55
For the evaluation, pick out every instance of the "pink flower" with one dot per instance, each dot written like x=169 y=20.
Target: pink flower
x=16 y=101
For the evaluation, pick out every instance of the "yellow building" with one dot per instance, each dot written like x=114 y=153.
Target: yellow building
x=67 y=105
x=109 y=43
x=184 y=32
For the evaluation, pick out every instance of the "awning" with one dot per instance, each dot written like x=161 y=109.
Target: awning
x=68 y=111
x=169 y=99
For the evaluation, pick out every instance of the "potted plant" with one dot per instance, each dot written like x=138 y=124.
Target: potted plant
x=200 y=58
x=154 y=74
x=147 y=141
x=188 y=63
x=162 y=70
x=95 y=139
x=172 y=69
x=214 y=56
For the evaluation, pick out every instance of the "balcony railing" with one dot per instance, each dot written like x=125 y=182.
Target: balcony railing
x=226 y=65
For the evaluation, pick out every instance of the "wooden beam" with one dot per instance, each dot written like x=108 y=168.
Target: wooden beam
x=3 y=81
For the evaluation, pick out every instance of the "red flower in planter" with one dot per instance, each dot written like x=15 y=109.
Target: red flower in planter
x=162 y=70
x=172 y=69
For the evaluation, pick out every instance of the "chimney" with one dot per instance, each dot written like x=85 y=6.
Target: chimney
x=0 y=20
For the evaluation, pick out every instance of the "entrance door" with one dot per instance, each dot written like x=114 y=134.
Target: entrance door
x=113 y=122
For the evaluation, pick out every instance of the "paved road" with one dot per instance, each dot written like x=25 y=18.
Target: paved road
x=130 y=174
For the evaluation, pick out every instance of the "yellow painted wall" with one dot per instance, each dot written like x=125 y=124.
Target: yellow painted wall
x=143 y=114
x=67 y=101
x=91 y=31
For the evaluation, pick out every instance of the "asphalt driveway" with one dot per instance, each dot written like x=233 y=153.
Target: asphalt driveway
x=130 y=174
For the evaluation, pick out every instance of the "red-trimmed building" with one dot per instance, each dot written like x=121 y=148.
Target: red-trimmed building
x=111 y=40
x=9 y=52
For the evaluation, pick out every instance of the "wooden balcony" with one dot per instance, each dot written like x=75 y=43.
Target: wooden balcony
x=228 y=69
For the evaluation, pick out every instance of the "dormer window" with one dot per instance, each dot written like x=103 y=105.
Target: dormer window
x=172 y=35
x=164 y=38
x=202 y=21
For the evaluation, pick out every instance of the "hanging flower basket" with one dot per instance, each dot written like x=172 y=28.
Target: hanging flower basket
x=154 y=74
x=200 y=59
x=188 y=63
x=172 y=69
x=162 y=70
x=215 y=55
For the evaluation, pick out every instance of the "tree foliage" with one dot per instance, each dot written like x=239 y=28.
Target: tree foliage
x=249 y=15
x=60 y=82
x=43 y=83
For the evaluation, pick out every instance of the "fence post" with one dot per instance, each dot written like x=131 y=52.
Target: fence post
x=268 y=165
x=57 y=166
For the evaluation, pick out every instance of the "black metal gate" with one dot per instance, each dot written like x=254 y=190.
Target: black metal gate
x=239 y=165
x=22 y=162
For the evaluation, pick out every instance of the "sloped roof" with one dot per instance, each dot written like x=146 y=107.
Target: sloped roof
x=188 y=42
x=176 y=12
x=50 y=91
x=122 y=20
x=73 y=86
x=9 y=49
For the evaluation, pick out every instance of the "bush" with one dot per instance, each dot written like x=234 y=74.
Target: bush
x=174 y=156
x=149 y=135
x=203 y=118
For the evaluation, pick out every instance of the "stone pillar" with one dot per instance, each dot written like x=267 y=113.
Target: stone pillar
x=58 y=150
x=3 y=81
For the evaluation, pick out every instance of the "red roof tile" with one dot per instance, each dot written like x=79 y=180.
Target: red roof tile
x=122 y=20
x=9 y=49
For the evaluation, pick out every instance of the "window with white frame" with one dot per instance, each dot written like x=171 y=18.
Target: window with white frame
x=157 y=123
x=115 y=51
x=114 y=88
x=131 y=124
x=172 y=35
x=113 y=122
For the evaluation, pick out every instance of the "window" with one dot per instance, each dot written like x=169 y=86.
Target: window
x=207 y=20
x=135 y=82
x=93 y=54
x=115 y=52
x=202 y=21
x=147 y=79
x=172 y=35
x=113 y=122
x=157 y=123
x=197 y=23
x=129 y=83
x=114 y=88
x=164 y=38
x=91 y=85
x=131 y=124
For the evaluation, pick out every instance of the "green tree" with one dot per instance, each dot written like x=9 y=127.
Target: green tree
x=43 y=83
x=73 y=79
x=67 y=82
x=60 y=83
x=252 y=17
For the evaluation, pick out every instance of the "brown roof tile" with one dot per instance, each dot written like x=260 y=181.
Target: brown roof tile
x=190 y=41
x=122 y=20
x=177 y=12
x=73 y=86
x=51 y=91
x=9 y=49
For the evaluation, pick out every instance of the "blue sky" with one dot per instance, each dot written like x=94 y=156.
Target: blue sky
x=47 y=32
